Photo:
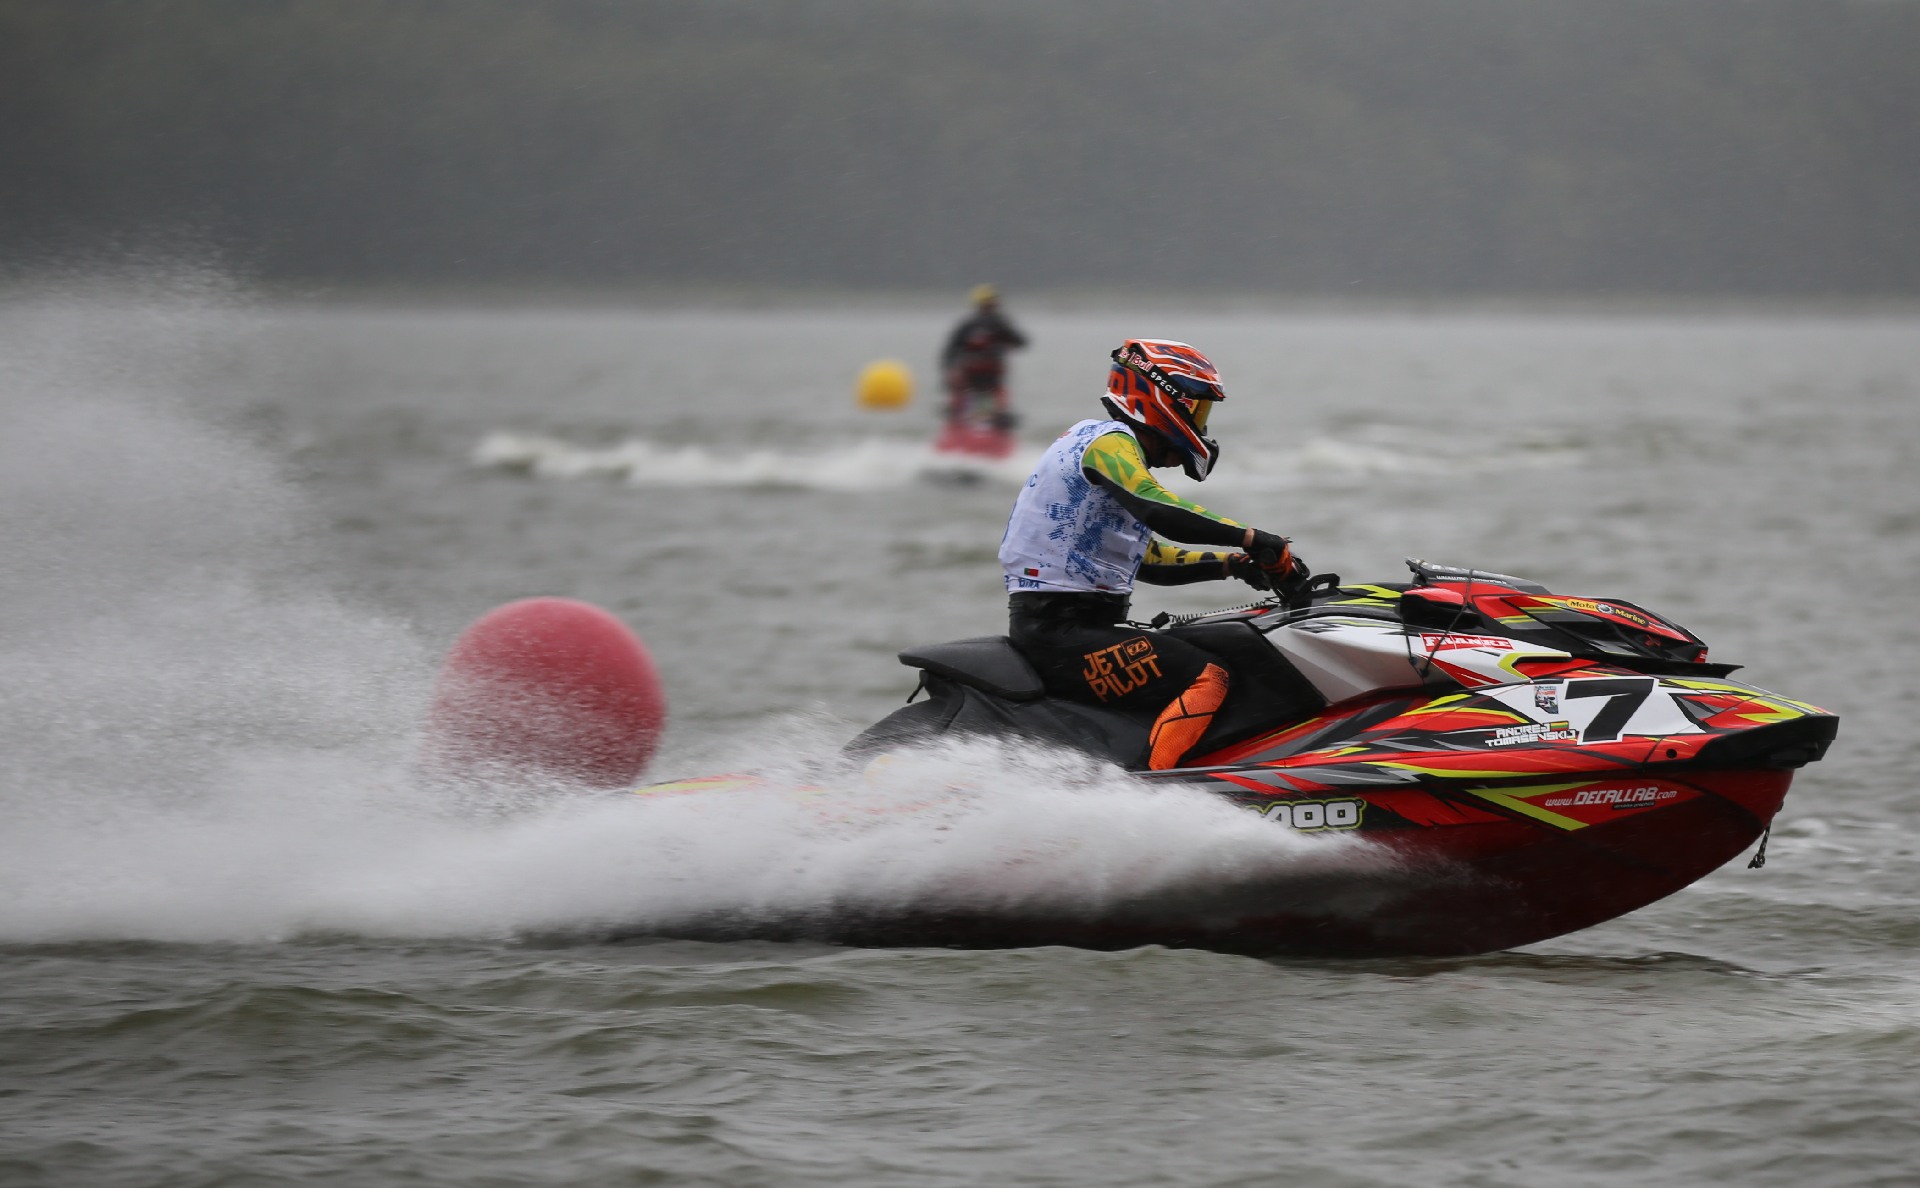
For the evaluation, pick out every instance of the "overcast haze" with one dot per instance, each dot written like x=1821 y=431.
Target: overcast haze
x=1337 y=148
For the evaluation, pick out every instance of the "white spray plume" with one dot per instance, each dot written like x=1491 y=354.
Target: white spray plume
x=199 y=741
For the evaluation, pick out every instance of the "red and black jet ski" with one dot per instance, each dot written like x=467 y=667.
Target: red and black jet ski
x=1537 y=763
x=978 y=427
x=983 y=439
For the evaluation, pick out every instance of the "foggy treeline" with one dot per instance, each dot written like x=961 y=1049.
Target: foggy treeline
x=1312 y=147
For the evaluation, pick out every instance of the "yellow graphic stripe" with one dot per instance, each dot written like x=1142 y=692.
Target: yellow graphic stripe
x=1515 y=799
x=1706 y=686
x=1775 y=707
x=1510 y=663
x=1452 y=773
x=1116 y=457
x=1372 y=596
x=1480 y=713
x=1775 y=710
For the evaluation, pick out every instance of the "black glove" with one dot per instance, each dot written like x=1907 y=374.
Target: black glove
x=1273 y=554
x=1241 y=566
x=1286 y=574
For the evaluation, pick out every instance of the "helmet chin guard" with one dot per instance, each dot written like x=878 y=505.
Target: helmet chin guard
x=1168 y=389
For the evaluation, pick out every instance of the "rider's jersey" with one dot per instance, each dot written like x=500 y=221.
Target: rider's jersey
x=976 y=350
x=1069 y=534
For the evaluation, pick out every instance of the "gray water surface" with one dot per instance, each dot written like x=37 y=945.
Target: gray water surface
x=242 y=946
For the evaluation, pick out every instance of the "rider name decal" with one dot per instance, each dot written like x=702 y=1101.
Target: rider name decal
x=1513 y=736
x=1122 y=668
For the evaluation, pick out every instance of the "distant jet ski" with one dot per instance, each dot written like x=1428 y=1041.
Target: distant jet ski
x=970 y=446
x=1528 y=764
x=980 y=428
x=989 y=442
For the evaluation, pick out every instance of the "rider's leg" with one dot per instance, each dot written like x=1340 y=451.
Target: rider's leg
x=1186 y=718
x=1120 y=666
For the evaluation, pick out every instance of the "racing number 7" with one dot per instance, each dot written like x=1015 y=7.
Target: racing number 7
x=1623 y=694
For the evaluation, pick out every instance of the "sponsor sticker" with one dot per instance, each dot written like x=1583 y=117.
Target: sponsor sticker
x=1441 y=643
x=1618 y=798
x=1122 y=668
x=1605 y=608
x=1547 y=698
x=1314 y=815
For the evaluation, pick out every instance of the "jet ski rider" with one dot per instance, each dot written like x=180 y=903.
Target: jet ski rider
x=974 y=362
x=1083 y=530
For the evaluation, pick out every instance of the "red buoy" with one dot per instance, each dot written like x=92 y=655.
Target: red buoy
x=547 y=686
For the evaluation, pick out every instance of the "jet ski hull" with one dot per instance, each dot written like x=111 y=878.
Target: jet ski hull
x=1478 y=881
x=986 y=442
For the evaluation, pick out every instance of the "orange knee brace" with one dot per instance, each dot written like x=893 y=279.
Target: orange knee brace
x=1186 y=718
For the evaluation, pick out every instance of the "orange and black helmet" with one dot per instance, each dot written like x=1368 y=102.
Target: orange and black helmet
x=1168 y=389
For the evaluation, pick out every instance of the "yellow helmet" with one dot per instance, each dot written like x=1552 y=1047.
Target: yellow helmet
x=985 y=295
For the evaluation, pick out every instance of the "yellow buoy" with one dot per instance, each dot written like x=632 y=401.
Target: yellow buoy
x=884 y=384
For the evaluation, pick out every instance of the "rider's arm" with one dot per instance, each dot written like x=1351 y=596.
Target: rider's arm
x=1115 y=462
x=1009 y=335
x=1168 y=565
x=954 y=340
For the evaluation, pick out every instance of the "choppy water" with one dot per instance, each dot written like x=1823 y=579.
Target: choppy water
x=241 y=947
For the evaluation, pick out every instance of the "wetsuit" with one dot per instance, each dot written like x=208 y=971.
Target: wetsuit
x=975 y=361
x=1081 y=533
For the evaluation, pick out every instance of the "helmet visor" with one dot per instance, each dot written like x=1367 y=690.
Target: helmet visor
x=1198 y=411
x=1196 y=398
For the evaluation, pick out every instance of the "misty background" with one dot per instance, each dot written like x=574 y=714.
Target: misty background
x=1320 y=148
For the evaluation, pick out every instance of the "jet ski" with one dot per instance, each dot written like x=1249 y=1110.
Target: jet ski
x=1522 y=764
x=978 y=426
x=986 y=440
x=1538 y=763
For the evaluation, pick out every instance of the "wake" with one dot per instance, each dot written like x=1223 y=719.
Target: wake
x=882 y=464
x=871 y=464
x=200 y=741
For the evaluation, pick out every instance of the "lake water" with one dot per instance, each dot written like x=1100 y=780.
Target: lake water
x=242 y=946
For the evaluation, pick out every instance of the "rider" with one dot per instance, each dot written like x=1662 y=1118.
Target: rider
x=974 y=361
x=1083 y=530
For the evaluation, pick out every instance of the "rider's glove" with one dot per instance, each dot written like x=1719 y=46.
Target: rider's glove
x=1241 y=566
x=1286 y=574
x=1274 y=555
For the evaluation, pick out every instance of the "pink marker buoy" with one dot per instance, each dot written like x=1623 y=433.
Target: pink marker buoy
x=548 y=686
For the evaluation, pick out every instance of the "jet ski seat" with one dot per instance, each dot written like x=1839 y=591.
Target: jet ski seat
x=989 y=663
